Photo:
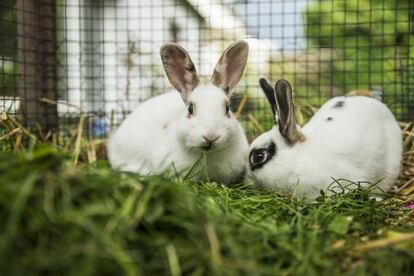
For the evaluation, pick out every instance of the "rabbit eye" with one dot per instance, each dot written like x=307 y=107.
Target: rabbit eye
x=190 y=109
x=227 y=109
x=258 y=156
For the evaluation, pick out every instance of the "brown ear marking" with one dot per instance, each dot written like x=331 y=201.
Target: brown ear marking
x=287 y=122
x=230 y=66
x=296 y=137
x=292 y=135
x=179 y=68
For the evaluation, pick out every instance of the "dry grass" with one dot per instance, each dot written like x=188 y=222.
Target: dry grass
x=89 y=150
x=85 y=149
x=405 y=183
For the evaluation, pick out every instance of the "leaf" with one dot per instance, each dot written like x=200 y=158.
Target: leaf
x=339 y=225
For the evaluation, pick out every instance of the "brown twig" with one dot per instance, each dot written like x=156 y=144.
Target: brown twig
x=256 y=123
x=11 y=133
x=381 y=243
x=79 y=140
x=49 y=101
x=241 y=105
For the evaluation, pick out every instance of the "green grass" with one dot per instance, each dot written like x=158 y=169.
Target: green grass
x=91 y=220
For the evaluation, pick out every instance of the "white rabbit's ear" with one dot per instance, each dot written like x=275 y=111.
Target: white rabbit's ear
x=230 y=66
x=270 y=95
x=179 y=68
x=285 y=108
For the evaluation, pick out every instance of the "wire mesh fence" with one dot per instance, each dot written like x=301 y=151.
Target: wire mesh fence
x=98 y=59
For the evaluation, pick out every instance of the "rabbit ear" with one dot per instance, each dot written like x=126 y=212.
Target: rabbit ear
x=287 y=122
x=179 y=68
x=230 y=66
x=270 y=95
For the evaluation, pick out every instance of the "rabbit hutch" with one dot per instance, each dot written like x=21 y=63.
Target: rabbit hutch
x=98 y=59
x=72 y=71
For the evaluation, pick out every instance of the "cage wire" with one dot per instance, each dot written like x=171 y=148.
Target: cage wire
x=64 y=60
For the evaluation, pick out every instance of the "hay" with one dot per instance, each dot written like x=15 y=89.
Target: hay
x=85 y=148
x=405 y=182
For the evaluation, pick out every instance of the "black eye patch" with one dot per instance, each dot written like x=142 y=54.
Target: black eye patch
x=260 y=156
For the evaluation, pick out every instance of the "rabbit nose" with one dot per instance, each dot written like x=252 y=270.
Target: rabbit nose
x=211 y=138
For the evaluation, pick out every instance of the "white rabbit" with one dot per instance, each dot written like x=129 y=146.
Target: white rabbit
x=172 y=131
x=350 y=138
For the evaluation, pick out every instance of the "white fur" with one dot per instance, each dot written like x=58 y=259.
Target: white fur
x=362 y=142
x=164 y=135
x=159 y=135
